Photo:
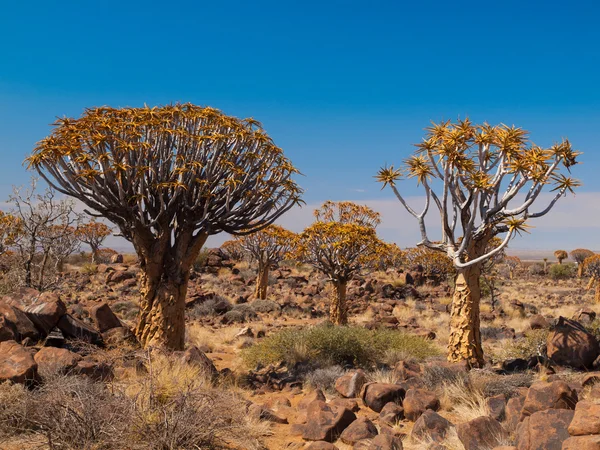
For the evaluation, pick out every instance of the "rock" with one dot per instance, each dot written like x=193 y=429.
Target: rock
x=391 y=413
x=52 y=360
x=317 y=394
x=543 y=396
x=245 y=332
x=17 y=364
x=590 y=379
x=350 y=384
x=514 y=365
x=585 y=316
x=586 y=419
x=259 y=412
x=96 y=370
x=406 y=369
x=544 y=430
x=104 y=318
x=570 y=344
x=116 y=259
x=385 y=442
x=321 y=445
x=538 y=322
x=361 y=428
x=376 y=395
x=16 y=325
x=46 y=311
x=118 y=276
x=497 y=406
x=430 y=426
x=325 y=422
x=417 y=401
x=512 y=412
x=76 y=329
x=481 y=433
x=195 y=357
x=348 y=403
x=582 y=443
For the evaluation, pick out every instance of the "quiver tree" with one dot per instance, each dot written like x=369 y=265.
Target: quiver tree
x=513 y=263
x=592 y=269
x=93 y=234
x=168 y=177
x=10 y=230
x=560 y=255
x=472 y=175
x=267 y=247
x=340 y=243
x=579 y=255
x=436 y=266
x=233 y=249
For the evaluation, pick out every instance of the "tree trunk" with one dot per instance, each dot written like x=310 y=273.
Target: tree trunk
x=580 y=270
x=465 y=335
x=597 y=296
x=338 y=314
x=94 y=254
x=262 y=281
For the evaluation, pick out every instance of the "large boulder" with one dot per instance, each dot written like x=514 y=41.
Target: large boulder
x=417 y=401
x=586 y=419
x=46 y=311
x=76 y=329
x=512 y=412
x=391 y=413
x=430 y=426
x=377 y=395
x=544 y=430
x=52 y=360
x=481 y=433
x=385 y=442
x=570 y=344
x=104 y=318
x=15 y=323
x=591 y=442
x=542 y=396
x=325 y=422
x=360 y=429
x=350 y=384
x=17 y=364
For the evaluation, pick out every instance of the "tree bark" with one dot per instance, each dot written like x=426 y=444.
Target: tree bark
x=465 y=335
x=262 y=281
x=580 y=270
x=338 y=313
x=597 y=296
x=94 y=254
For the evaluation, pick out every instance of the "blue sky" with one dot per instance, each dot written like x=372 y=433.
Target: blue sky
x=343 y=86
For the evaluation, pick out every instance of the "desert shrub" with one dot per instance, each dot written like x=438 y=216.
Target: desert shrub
x=265 y=306
x=324 y=378
x=211 y=307
x=562 y=271
x=594 y=328
x=537 y=269
x=89 y=269
x=532 y=344
x=491 y=384
x=14 y=405
x=246 y=310
x=327 y=345
x=435 y=376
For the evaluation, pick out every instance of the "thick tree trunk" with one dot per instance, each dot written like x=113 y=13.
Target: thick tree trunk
x=262 y=281
x=338 y=314
x=579 y=270
x=465 y=335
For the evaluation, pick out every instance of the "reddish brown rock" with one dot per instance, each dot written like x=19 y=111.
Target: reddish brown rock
x=377 y=395
x=348 y=403
x=321 y=445
x=391 y=413
x=350 y=384
x=96 y=370
x=406 y=369
x=196 y=357
x=497 y=406
x=76 y=329
x=512 y=412
x=582 y=443
x=259 y=412
x=543 y=396
x=570 y=344
x=46 y=311
x=430 y=426
x=17 y=364
x=104 y=318
x=586 y=419
x=56 y=360
x=544 y=430
x=417 y=401
x=481 y=433
x=325 y=422
x=385 y=442
x=317 y=394
x=17 y=321
x=361 y=428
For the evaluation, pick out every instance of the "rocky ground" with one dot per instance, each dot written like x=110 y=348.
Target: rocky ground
x=539 y=390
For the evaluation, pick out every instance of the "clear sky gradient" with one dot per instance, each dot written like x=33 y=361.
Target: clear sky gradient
x=343 y=86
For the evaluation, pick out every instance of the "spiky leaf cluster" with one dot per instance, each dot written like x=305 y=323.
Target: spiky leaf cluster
x=269 y=245
x=93 y=233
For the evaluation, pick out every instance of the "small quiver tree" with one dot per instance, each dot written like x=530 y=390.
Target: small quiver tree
x=579 y=255
x=513 y=263
x=560 y=255
x=168 y=177
x=472 y=175
x=592 y=269
x=93 y=234
x=435 y=266
x=233 y=249
x=267 y=247
x=341 y=242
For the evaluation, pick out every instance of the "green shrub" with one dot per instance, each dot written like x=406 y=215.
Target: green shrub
x=562 y=271
x=532 y=344
x=325 y=345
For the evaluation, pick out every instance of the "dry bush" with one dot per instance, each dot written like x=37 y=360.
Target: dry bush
x=491 y=384
x=323 y=378
x=14 y=406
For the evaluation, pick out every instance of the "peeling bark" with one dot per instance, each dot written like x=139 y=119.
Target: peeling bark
x=338 y=313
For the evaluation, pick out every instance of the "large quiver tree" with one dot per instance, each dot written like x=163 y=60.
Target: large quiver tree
x=168 y=177
x=579 y=255
x=472 y=174
x=267 y=247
